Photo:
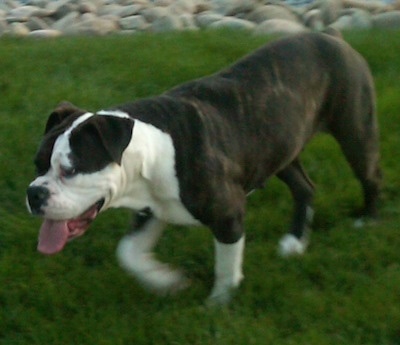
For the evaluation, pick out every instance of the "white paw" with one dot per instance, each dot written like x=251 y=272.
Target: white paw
x=163 y=280
x=154 y=275
x=223 y=290
x=290 y=245
x=220 y=296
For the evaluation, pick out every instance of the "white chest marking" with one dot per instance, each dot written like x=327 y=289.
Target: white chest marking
x=151 y=181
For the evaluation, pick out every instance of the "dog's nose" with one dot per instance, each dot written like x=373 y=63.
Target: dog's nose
x=37 y=197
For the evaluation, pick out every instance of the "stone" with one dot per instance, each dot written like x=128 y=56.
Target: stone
x=127 y=11
x=100 y=17
x=23 y=11
x=38 y=3
x=330 y=10
x=64 y=8
x=92 y=26
x=313 y=19
x=65 y=22
x=136 y=22
x=343 y=23
x=361 y=19
x=36 y=23
x=167 y=23
x=87 y=7
x=232 y=7
x=233 y=23
x=152 y=14
x=263 y=13
x=179 y=7
x=188 y=21
x=371 y=6
x=388 y=20
x=46 y=33
x=205 y=19
x=279 y=27
x=18 y=29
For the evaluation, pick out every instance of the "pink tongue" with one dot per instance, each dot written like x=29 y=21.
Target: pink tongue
x=53 y=236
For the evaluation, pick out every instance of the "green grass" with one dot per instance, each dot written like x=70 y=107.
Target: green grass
x=345 y=290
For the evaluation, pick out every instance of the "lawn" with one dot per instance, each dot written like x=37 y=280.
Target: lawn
x=344 y=290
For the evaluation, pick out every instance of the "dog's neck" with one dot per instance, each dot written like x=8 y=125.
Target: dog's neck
x=148 y=174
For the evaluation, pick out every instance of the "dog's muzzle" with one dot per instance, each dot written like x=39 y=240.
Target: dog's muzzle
x=37 y=197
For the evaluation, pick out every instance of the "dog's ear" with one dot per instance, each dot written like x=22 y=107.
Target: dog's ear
x=102 y=138
x=63 y=110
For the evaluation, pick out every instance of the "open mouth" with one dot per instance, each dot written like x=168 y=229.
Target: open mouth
x=54 y=234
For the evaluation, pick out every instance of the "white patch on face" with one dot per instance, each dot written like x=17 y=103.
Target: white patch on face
x=71 y=196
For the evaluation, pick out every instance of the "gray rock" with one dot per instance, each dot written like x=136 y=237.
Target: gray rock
x=361 y=19
x=188 y=21
x=370 y=5
x=38 y=3
x=152 y=14
x=36 y=23
x=313 y=19
x=232 y=7
x=87 y=7
x=65 y=22
x=279 y=27
x=127 y=11
x=18 y=29
x=205 y=19
x=167 y=23
x=233 y=23
x=263 y=13
x=23 y=11
x=92 y=26
x=388 y=20
x=179 y=7
x=62 y=8
x=136 y=22
x=46 y=33
x=330 y=10
x=163 y=3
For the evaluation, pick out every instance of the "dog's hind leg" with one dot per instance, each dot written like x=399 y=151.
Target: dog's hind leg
x=302 y=189
x=363 y=157
x=358 y=138
x=135 y=254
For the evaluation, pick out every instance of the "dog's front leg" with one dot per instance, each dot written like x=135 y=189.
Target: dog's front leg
x=229 y=248
x=135 y=254
x=228 y=271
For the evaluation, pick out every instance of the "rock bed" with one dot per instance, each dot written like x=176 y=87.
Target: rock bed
x=49 y=18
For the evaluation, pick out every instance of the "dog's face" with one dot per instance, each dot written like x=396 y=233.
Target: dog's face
x=79 y=172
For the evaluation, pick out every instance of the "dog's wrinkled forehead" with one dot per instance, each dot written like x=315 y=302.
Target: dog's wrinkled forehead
x=89 y=142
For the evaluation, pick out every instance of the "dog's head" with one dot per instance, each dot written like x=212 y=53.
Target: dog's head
x=79 y=171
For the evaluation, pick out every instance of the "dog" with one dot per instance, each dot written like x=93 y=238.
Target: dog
x=191 y=155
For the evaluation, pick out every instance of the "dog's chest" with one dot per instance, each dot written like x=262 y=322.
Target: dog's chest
x=151 y=179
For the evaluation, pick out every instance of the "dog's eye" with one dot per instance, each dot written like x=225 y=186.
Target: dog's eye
x=67 y=171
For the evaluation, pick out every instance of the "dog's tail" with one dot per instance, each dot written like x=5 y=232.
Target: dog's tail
x=332 y=32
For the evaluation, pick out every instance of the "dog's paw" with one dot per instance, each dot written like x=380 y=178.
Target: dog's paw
x=290 y=245
x=163 y=280
x=220 y=297
x=364 y=222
